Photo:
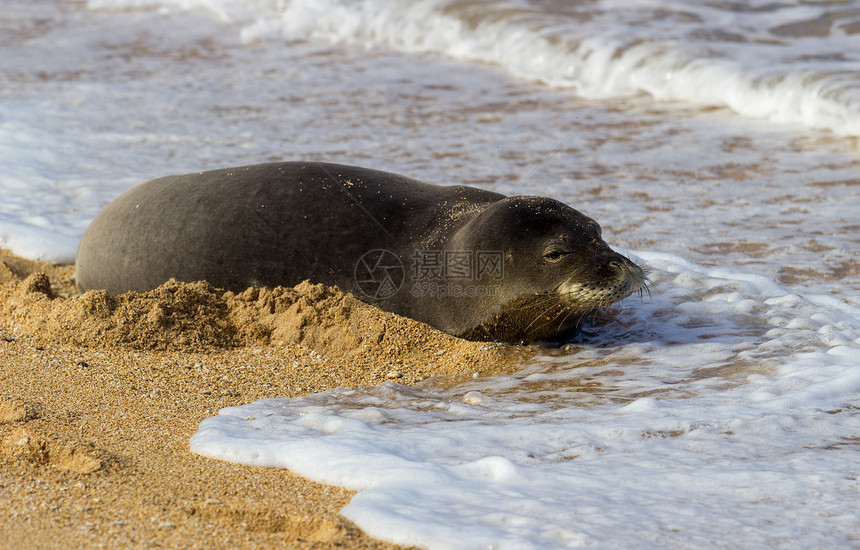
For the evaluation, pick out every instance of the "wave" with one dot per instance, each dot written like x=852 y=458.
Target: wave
x=775 y=68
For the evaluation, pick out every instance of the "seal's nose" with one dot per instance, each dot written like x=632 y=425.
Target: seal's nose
x=619 y=267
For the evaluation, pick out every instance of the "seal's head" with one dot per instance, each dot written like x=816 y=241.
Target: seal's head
x=557 y=270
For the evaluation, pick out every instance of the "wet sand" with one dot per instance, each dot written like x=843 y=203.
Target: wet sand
x=99 y=396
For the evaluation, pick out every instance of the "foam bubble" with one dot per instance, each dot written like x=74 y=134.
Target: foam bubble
x=685 y=432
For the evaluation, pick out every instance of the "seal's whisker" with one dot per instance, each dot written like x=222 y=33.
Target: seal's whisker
x=539 y=300
x=548 y=321
x=542 y=313
x=570 y=312
x=646 y=288
x=582 y=315
x=539 y=315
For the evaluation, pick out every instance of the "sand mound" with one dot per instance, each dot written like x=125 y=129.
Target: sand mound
x=14 y=268
x=198 y=317
x=338 y=325
x=21 y=440
x=173 y=316
x=99 y=395
x=32 y=446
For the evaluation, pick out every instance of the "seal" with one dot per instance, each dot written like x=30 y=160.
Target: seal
x=470 y=262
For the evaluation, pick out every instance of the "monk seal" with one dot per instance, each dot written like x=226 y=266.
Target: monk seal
x=472 y=263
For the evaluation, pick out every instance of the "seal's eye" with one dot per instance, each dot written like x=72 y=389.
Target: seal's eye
x=554 y=255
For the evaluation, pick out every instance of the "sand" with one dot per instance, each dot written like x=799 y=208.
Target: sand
x=100 y=394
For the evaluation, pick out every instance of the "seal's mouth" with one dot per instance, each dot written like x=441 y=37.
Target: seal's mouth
x=557 y=315
x=629 y=278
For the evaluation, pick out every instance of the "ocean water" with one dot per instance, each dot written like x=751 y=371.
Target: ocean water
x=722 y=414
x=717 y=142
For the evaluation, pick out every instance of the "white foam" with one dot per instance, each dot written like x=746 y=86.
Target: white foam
x=714 y=420
x=706 y=54
x=37 y=243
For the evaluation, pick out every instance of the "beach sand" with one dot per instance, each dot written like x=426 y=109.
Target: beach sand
x=99 y=396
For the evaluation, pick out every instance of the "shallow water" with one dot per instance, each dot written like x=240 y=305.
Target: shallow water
x=721 y=411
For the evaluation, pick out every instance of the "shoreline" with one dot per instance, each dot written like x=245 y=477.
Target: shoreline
x=96 y=411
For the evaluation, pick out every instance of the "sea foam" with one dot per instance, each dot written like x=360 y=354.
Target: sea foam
x=704 y=54
x=728 y=413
